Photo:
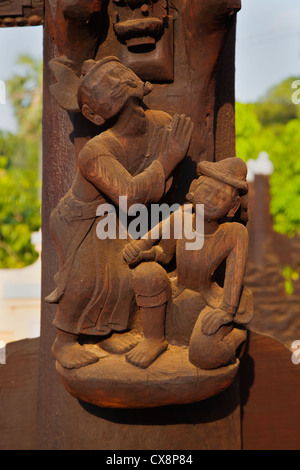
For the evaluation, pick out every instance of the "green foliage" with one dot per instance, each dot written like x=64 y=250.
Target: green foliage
x=248 y=128
x=289 y=277
x=19 y=168
x=276 y=106
x=281 y=140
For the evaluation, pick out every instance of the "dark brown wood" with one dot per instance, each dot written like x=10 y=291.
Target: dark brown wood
x=18 y=395
x=224 y=127
x=261 y=221
x=269 y=384
x=21 y=13
x=269 y=396
x=58 y=174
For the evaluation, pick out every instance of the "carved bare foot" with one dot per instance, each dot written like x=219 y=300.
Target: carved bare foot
x=70 y=354
x=94 y=348
x=120 y=343
x=146 y=352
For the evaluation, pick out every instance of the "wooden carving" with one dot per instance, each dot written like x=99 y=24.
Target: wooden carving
x=184 y=78
x=147 y=31
x=21 y=13
x=208 y=321
x=133 y=159
x=159 y=318
x=139 y=23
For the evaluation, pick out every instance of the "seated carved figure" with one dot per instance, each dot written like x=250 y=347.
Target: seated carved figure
x=134 y=157
x=219 y=310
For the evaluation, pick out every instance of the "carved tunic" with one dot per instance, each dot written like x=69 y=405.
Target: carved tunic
x=195 y=268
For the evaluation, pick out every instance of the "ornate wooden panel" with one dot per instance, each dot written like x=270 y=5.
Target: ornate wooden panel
x=21 y=13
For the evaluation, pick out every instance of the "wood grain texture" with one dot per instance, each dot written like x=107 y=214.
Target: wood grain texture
x=270 y=385
x=18 y=395
x=208 y=425
x=21 y=13
x=172 y=379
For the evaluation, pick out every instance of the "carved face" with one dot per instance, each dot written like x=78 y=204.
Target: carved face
x=139 y=23
x=108 y=88
x=219 y=199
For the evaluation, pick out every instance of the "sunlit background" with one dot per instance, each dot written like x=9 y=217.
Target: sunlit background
x=267 y=63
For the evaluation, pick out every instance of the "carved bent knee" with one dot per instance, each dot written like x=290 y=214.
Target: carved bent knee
x=151 y=285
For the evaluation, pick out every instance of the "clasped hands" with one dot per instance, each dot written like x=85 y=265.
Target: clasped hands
x=138 y=250
x=170 y=144
x=142 y=250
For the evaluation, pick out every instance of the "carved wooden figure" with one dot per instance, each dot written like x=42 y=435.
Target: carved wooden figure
x=130 y=333
x=214 y=313
x=94 y=289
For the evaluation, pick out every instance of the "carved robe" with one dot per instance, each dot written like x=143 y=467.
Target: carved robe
x=94 y=284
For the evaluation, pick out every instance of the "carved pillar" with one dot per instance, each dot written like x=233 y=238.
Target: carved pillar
x=197 y=80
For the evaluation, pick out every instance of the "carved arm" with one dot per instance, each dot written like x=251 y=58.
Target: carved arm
x=110 y=177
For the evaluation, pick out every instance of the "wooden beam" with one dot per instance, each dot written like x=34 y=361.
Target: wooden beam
x=21 y=13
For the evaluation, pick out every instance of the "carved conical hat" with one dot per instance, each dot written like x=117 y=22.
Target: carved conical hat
x=67 y=82
x=91 y=65
x=232 y=171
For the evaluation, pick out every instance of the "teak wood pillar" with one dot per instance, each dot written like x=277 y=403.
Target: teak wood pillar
x=62 y=421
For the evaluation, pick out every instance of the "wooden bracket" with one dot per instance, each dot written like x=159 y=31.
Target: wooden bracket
x=21 y=13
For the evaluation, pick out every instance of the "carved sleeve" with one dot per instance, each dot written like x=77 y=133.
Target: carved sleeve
x=235 y=268
x=163 y=233
x=111 y=178
x=165 y=251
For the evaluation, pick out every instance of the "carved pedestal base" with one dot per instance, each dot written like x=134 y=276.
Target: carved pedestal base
x=171 y=379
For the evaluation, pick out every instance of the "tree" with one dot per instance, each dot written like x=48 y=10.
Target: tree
x=19 y=168
x=25 y=93
x=276 y=106
x=278 y=133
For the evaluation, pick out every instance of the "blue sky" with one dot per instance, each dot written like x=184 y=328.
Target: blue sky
x=267 y=50
x=13 y=42
x=268 y=46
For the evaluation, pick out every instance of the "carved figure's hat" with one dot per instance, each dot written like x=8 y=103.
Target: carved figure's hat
x=92 y=65
x=66 y=87
x=70 y=90
x=232 y=171
x=94 y=72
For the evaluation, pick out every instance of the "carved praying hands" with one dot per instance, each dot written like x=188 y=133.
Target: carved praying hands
x=174 y=142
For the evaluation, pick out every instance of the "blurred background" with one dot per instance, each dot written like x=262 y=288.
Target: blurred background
x=267 y=138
